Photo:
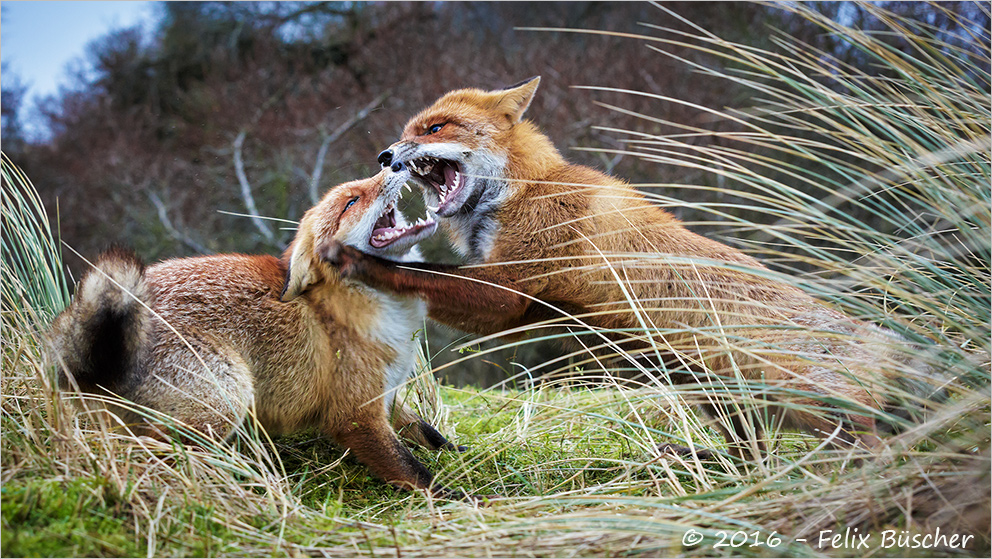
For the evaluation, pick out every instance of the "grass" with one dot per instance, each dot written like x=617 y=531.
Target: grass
x=874 y=194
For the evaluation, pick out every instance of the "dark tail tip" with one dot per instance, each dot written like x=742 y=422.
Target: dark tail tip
x=98 y=338
x=123 y=255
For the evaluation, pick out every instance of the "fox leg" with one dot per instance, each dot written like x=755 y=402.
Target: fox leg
x=208 y=394
x=846 y=424
x=369 y=437
x=410 y=426
x=744 y=431
x=479 y=300
x=855 y=430
x=744 y=435
x=740 y=427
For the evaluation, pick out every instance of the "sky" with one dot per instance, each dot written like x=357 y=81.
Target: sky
x=38 y=40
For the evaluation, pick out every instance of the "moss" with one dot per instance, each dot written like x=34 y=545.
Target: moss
x=74 y=518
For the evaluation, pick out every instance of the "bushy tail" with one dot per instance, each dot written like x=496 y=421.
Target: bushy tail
x=918 y=386
x=99 y=338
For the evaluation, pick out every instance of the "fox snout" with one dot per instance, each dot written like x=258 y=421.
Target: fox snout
x=386 y=160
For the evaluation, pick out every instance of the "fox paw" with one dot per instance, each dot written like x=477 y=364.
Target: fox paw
x=684 y=451
x=343 y=257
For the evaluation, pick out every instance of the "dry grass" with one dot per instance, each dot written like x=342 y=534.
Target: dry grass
x=576 y=467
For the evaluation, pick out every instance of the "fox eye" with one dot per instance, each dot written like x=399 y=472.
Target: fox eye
x=349 y=204
x=435 y=129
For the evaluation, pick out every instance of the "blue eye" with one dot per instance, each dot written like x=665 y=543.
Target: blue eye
x=349 y=204
x=435 y=129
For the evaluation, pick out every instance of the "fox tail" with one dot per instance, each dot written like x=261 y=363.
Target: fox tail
x=99 y=338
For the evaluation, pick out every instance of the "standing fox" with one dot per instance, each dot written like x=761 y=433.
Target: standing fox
x=562 y=246
x=203 y=339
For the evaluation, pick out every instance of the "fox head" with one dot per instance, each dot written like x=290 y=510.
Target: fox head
x=458 y=149
x=469 y=152
x=361 y=214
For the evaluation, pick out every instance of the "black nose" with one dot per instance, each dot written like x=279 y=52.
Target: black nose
x=397 y=166
x=386 y=157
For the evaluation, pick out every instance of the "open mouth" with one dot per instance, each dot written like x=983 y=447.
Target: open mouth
x=385 y=232
x=442 y=174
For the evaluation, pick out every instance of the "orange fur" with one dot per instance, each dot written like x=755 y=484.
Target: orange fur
x=226 y=334
x=562 y=238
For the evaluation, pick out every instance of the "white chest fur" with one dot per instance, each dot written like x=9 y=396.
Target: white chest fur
x=402 y=320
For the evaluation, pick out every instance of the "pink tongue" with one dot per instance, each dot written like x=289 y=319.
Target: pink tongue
x=449 y=177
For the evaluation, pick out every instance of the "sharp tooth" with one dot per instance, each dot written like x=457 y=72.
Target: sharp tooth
x=433 y=208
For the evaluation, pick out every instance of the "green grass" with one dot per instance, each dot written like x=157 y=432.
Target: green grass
x=89 y=518
x=571 y=471
x=879 y=208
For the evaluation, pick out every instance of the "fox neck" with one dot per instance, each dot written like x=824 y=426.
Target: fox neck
x=530 y=156
x=474 y=228
x=364 y=309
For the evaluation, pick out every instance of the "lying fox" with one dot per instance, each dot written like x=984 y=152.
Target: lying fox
x=568 y=247
x=203 y=339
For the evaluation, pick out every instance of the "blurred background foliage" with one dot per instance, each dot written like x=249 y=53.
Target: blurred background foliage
x=223 y=107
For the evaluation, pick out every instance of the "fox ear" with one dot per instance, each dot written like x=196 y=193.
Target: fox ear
x=514 y=100
x=299 y=273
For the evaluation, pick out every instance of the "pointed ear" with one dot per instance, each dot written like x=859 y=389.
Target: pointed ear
x=514 y=100
x=299 y=274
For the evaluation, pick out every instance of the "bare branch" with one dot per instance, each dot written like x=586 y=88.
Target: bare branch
x=239 y=169
x=316 y=7
x=163 y=216
x=318 y=167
